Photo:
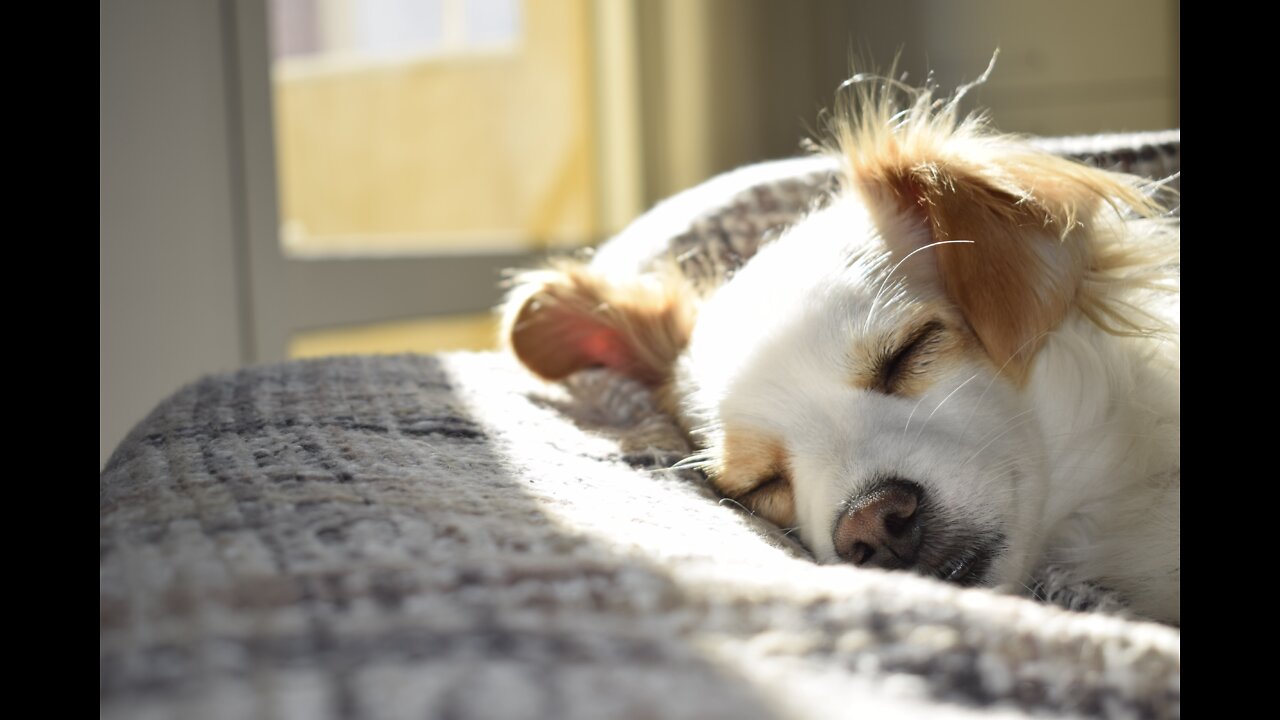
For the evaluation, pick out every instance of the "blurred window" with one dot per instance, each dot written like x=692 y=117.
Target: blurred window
x=412 y=127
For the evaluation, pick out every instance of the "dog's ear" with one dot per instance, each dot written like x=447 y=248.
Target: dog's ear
x=1009 y=228
x=570 y=317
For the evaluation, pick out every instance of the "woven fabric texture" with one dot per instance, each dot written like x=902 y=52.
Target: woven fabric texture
x=410 y=537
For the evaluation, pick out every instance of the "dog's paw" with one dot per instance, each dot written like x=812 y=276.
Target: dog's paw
x=1057 y=585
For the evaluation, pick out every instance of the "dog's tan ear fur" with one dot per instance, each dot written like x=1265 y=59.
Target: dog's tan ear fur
x=570 y=317
x=1012 y=229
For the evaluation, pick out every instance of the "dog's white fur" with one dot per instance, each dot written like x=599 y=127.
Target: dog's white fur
x=1040 y=414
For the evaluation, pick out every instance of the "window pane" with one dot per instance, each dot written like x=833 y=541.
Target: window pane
x=427 y=335
x=406 y=127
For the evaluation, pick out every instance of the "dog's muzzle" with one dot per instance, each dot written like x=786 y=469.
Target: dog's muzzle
x=881 y=527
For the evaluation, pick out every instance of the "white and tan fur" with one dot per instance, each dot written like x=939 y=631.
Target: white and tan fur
x=996 y=324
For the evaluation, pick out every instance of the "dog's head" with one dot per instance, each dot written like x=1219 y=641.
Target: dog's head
x=864 y=377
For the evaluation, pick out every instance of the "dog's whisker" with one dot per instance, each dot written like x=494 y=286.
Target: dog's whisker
x=894 y=269
x=885 y=284
x=697 y=461
x=939 y=405
x=1032 y=591
x=969 y=422
x=1007 y=422
x=997 y=437
x=913 y=414
x=1138 y=436
x=742 y=507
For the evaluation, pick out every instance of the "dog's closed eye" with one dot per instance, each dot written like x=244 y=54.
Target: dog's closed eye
x=898 y=367
x=772 y=500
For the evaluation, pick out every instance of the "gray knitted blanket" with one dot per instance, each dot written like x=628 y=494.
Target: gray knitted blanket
x=447 y=537
x=712 y=229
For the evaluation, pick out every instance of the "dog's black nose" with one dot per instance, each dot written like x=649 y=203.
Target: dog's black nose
x=881 y=528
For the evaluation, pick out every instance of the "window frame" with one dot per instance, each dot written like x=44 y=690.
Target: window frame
x=286 y=295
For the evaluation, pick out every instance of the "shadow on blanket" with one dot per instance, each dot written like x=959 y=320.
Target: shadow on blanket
x=435 y=537
x=301 y=537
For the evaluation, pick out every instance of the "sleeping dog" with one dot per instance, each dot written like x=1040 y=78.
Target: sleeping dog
x=964 y=364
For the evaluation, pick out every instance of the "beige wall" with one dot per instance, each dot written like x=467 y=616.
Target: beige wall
x=751 y=86
x=167 y=295
x=1079 y=67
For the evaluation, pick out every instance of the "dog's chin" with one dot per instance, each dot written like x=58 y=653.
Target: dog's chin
x=982 y=565
x=1009 y=569
x=958 y=554
x=970 y=567
x=965 y=556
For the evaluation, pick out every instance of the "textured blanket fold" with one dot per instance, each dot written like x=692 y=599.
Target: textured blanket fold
x=411 y=536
